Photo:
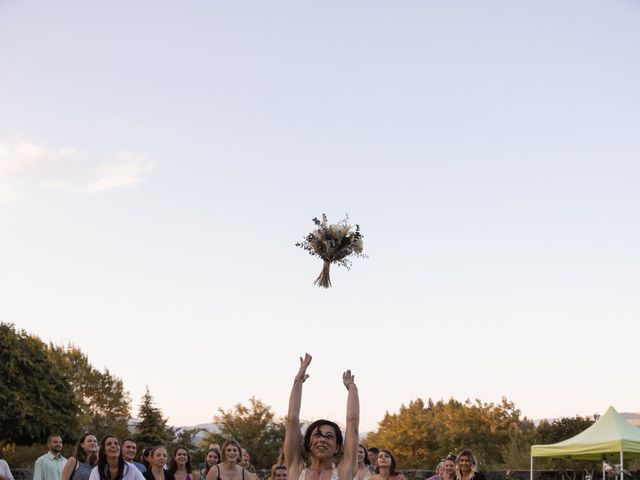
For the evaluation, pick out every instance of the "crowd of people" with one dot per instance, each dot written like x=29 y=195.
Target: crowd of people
x=115 y=459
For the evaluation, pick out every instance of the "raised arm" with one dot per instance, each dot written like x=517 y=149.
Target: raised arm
x=349 y=464
x=293 y=437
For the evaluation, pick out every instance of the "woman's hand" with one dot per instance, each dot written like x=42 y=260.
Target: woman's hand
x=348 y=379
x=304 y=363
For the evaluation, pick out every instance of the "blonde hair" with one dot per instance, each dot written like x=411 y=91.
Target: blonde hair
x=472 y=460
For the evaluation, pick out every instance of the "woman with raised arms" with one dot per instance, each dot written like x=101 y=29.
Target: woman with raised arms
x=323 y=438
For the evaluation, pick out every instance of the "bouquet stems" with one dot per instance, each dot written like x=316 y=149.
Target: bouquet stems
x=323 y=279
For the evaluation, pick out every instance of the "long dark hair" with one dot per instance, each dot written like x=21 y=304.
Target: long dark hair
x=366 y=456
x=103 y=465
x=81 y=454
x=392 y=467
x=173 y=466
x=208 y=467
x=318 y=424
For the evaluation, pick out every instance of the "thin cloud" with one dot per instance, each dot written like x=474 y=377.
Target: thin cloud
x=123 y=170
x=26 y=167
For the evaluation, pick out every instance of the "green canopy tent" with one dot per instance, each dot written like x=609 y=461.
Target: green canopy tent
x=611 y=437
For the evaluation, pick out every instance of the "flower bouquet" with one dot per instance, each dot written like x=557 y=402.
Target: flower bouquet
x=333 y=244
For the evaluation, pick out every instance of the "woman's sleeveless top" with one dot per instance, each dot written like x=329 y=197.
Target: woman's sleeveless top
x=82 y=471
x=334 y=475
x=220 y=478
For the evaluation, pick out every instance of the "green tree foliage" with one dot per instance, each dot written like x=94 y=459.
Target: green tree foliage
x=103 y=404
x=563 y=429
x=421 y=434
x=152 y=429
x=407 y=436
x=186 y=438
x=517 y=452
x=36 y=400
x=254 y=428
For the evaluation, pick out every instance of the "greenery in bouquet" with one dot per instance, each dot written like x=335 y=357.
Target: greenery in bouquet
x=333 y=243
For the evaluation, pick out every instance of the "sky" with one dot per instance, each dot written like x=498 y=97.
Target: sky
x=159 y=160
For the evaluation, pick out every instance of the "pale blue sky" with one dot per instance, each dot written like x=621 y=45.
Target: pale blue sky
x=158 y=160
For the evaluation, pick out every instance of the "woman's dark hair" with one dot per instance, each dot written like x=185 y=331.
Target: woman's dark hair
x=81 y=454
x=173 y=466
x=366 y=457
x=103 y=465
x=392 y=467
x=145 y=457
x=318 y=424
x=207 y=467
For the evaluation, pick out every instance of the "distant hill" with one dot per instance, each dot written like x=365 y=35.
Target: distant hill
x=632 y=418
x=207 y=428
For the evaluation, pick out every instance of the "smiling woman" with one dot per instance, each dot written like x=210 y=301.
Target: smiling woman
x=386 y=469
x=157 y=463
x=467 y=466
x=229 y=468
x=181 y=465
x=111 y=465
x=323 y=438
x=84 y=458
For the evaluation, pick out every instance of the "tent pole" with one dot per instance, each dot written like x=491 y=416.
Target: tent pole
x=621 y=466
x=603 y=474
x=531 y=471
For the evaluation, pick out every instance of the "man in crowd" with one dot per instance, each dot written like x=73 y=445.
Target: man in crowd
x=373 y=458
x=129 y=450
x=49 y=466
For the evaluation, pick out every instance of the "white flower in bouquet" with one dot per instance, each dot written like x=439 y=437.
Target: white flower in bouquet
x=339 y=229
x=333 y=244
x=358 y=244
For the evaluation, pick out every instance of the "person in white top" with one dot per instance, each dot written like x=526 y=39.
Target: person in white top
x=323 y=438
x=111 y=465
x=5 y=471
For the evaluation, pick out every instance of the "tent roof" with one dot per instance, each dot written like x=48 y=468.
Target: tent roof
x=606 y=438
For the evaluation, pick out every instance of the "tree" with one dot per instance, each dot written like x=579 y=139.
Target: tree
x=185 y=437
x=254 y=428
x=421 y=434
x=407 y=435
x=36 y=400
x=562 y=429
x=152 y=429
x=103 y=404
